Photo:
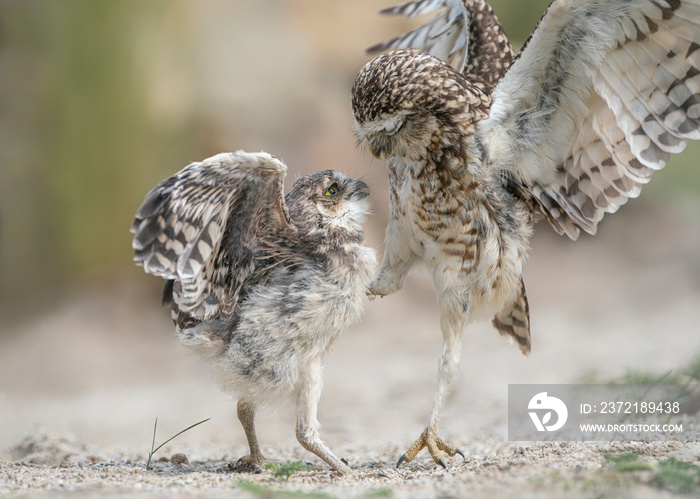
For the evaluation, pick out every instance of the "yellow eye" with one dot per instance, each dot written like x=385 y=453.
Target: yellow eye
x=332 y=190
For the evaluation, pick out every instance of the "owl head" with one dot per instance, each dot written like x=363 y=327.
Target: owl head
x=406 y=103
x=328 y=202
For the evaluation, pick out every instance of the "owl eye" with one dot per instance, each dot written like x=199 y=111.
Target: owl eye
x=332 y=190
x=395 y=124
x=397 y=129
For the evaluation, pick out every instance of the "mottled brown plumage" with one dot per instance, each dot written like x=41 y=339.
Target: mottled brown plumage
x=260 y=285
x=600 y=96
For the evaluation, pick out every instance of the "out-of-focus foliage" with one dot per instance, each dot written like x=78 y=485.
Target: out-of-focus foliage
x=78 y=140
x=100 y=100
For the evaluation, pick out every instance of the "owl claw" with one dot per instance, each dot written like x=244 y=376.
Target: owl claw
x=430 y=439
x=249 y=464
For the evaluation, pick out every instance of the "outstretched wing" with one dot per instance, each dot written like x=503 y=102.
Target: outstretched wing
x=598 y=99
x=208 y=226
x=465 y=33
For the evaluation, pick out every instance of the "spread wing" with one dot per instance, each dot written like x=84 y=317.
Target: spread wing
x=598 y=99
x=211 y=225
x=465 y=33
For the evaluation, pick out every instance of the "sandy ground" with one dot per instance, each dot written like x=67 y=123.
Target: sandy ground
x=80 y=385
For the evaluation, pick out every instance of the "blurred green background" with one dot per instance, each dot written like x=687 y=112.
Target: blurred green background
x=100 y=100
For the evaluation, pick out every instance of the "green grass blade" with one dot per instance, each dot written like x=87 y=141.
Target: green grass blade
x=153 y=451
x=153 y=444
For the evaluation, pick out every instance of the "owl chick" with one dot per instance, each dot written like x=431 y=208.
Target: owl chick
x=260 y=285
x=597 y=100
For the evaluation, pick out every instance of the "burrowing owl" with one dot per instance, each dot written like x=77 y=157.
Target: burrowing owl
x=597 y=100
x=260 y=285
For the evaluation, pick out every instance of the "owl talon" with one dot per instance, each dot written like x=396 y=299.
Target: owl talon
x=430 y=439
x=249 y=464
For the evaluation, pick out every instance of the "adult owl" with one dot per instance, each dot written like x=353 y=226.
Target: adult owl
x=597 y=100
x=260 y=285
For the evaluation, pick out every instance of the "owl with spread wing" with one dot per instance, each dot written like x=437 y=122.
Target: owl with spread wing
x=600 y=96
x=259 y=284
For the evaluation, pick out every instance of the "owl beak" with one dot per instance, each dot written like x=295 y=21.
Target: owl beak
x=360 y=190
x=378 y=150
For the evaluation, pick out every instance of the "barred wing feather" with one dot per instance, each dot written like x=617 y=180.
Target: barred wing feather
x=207 y=226
x=598 y=99
x=444 y=36
x=465 y=33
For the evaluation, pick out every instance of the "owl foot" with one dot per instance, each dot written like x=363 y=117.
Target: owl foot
x=386 y=283
x=249 y=464
x=430 y=439
x=310 y=440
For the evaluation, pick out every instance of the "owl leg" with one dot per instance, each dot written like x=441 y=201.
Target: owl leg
x=389 y=279
x=246 y=415
x=398 y=260
x=452 y=323
x=308 y=395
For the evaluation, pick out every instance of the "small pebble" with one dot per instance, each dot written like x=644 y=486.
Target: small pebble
x=179 y=459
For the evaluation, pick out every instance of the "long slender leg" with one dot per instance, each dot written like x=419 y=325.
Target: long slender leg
x=398 y=254
x=452 y=323
x=246 y=415
x=308 y=395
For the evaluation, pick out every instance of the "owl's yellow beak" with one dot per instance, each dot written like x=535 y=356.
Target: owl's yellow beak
x=377 y=151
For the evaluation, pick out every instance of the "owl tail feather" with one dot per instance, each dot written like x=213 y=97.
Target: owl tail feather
x=513 y=322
